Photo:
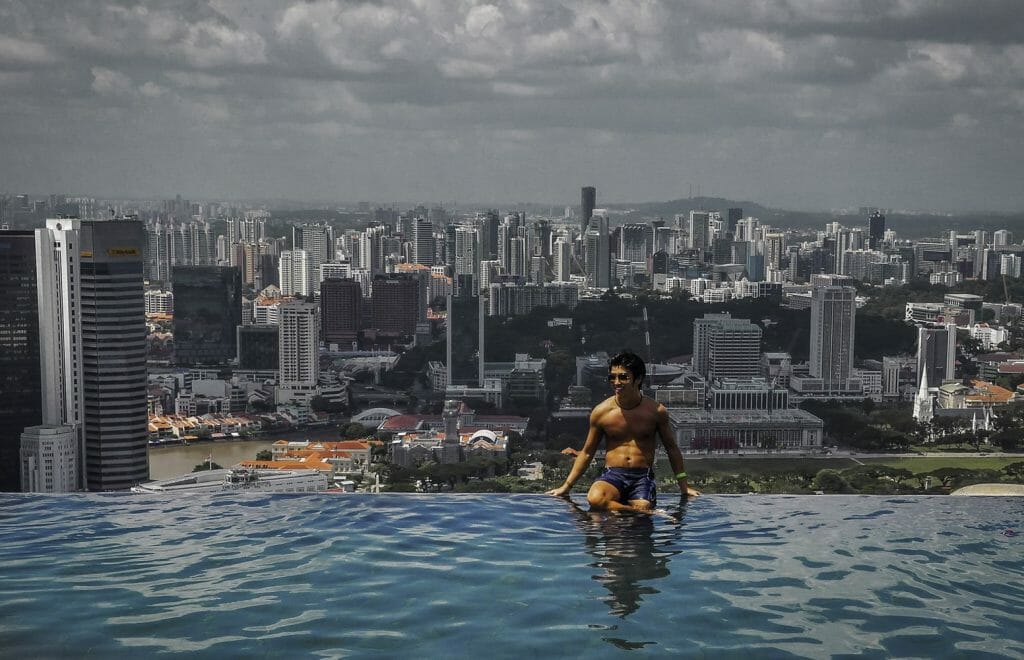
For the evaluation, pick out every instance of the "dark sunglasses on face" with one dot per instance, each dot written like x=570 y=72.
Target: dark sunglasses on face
x=622 y=378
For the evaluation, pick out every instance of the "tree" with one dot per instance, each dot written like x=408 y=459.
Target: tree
x=264 y=455
x=354 y=430
x=207 y=465
x=830 y=481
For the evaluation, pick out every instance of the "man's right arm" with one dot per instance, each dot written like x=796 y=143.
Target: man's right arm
x=584 y=458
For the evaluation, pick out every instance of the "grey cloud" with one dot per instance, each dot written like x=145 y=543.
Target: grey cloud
x=318 y=81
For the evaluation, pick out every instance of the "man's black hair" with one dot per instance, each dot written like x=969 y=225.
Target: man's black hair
x=632 y=363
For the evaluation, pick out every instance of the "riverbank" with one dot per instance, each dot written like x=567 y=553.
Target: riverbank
x=174 y=460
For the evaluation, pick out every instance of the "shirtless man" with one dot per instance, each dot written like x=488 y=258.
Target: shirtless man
x=627 y=421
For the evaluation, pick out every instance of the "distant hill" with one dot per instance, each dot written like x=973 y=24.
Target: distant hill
x=906 y=225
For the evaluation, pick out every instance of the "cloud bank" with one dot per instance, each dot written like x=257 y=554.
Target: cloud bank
x=806 y=103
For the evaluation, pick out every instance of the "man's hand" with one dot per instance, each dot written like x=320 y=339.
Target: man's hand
x=560 y=491
x=687 y=491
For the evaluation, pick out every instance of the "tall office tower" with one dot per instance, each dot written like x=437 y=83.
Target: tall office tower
x=207 y=310
x=990 y=263
x=1001 y=238
x=588 y=201
x=733 y=217
x=371 y=249
x=423 y=242
x=724 y=347
x=489 y=222
x=636 y=242
x=490 y=271
x=466 y=255
x=341 y=310
x=936 y=353
x=295 y=273
x=698 y=230
x=395 y=304
x=876 y=230
x=20 y=387
x=562 y=260
x=59 y=250
x=833 y=316
x=298 y=352
x=113 y=323
x=542 y=233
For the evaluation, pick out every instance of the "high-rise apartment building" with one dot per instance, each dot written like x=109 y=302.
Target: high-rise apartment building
x=20 y=387
x=298 y=352
x=833 y=317
x=296 y=275
x=207 y=310
x=341 y=310
x=724 y=347
x=562 y=260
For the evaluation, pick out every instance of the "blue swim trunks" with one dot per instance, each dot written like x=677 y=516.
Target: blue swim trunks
x=632 y=483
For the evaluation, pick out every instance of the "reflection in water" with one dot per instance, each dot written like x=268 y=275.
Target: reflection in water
x=632 y=550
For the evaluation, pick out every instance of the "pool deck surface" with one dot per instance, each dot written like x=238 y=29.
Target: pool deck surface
x=991 y=489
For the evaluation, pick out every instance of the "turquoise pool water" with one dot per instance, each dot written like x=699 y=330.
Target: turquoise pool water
x=494 y=576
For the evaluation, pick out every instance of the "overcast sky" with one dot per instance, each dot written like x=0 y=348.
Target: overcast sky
x=795 y=103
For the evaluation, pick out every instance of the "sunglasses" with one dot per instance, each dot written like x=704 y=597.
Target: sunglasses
x=621 y=378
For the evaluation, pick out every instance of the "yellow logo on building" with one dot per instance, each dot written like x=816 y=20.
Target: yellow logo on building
x=85 y=255
x=122 y=252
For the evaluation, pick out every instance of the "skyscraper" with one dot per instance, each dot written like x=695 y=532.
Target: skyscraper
x=588 y=200
x=724 y=347
x=395 y=303
x=207 y=310
x=833 y=317
x=423 y=246
x=562 y=260
x=298 y=352
x=341 y=310
x=113 y=323
x=698 y=230
x=936 y=353
x=876 y=229
x=20 y=388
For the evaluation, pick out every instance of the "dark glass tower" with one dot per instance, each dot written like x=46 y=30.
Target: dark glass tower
x=588 y=200
x=207 y=310
x=341 y=310
x=876 y=229
x=20 y=394
x=258 y=347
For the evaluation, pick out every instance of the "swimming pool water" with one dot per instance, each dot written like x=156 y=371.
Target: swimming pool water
x=494 y=576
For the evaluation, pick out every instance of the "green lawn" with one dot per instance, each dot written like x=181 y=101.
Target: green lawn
x=929 y=463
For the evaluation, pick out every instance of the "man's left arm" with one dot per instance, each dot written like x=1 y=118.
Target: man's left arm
x=675 y=457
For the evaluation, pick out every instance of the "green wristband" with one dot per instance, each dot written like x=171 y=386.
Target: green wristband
x=680 y=475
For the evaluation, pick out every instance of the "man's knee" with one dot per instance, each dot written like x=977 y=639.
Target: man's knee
x=598 y=499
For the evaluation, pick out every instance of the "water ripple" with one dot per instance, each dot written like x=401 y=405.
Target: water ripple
x=460 y=576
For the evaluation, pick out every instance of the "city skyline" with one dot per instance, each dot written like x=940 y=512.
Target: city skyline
x=828 y=105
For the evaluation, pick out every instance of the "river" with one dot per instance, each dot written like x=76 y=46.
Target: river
x=176 y=460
